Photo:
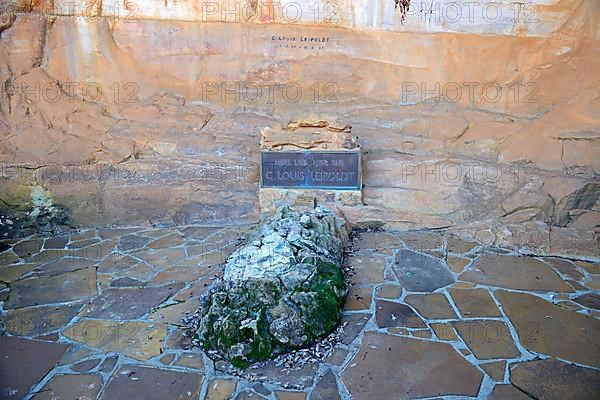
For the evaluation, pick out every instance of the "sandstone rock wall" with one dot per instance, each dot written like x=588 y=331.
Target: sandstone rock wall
x=484 y=125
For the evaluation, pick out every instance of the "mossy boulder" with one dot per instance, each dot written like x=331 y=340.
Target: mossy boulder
x=281 y=291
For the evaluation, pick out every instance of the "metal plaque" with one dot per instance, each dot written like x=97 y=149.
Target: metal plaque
x=336 y=170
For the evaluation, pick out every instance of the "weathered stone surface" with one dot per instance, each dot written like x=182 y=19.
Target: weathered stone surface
x=367 y=269
x=281 y=291
x=431 y=306
x=63 y=387
x=420 y=273
x=390 y=314
x=495 y=370
x=507 y=392
x=551 y=330
x=473 y=303
x=220 y=389
x=143 y=383
x=129 y=303
x=590 y=300
x=24 y=362
x=554 y=379
x=390 y=366
x=74 y=285
x=38 y=321
x=138 y=340
x=487 y=339
x=514 y=272
x=327 y=388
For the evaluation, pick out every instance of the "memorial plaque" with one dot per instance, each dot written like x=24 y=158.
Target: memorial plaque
x=336 y=170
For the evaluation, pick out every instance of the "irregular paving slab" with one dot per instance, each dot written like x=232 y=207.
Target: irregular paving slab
x=131 y=242
x=359 y=298
x=548 y=329
x=139 y=340
x=367 y=269
x=86 y=366
x=422 y=240
x=507 y=392
x=174 y=313
x=495 y=370
x=590 y=300
x=457 y=264
x=96 y=251
x=67 y=264
x=431 y=306
x=190 y=360
x=392 y=367
x=220 y=389
x=24 y=362
x=473 y=303
x=58 y=242
x=565 y=267
x=281 y=395
x=390 y=314
x=553 y=379
x=27 y=248
x=514 y=272
x=352 y=325
x=380 y=242
x=128 y=303
x=459 y=246
x=13 y=272
x=134 y=382
x=420 y=273
x=64 y=387
x=389 y=291
x=300 y=378
x=327 y=388
x=39 y=321
x=60 y=288
x=444 y=331
x=487 y=339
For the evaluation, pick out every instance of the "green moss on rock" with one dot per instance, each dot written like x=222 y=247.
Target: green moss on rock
x=281 y=291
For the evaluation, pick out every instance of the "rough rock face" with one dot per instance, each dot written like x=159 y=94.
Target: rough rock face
x=281 y=291
x=153 y=113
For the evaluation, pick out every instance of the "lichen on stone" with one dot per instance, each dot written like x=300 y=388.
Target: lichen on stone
x=280 y=291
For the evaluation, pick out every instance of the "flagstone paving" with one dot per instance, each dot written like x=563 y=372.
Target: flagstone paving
x=96 y=314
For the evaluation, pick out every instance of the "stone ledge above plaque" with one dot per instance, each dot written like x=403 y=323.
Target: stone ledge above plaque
x=309 y=159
